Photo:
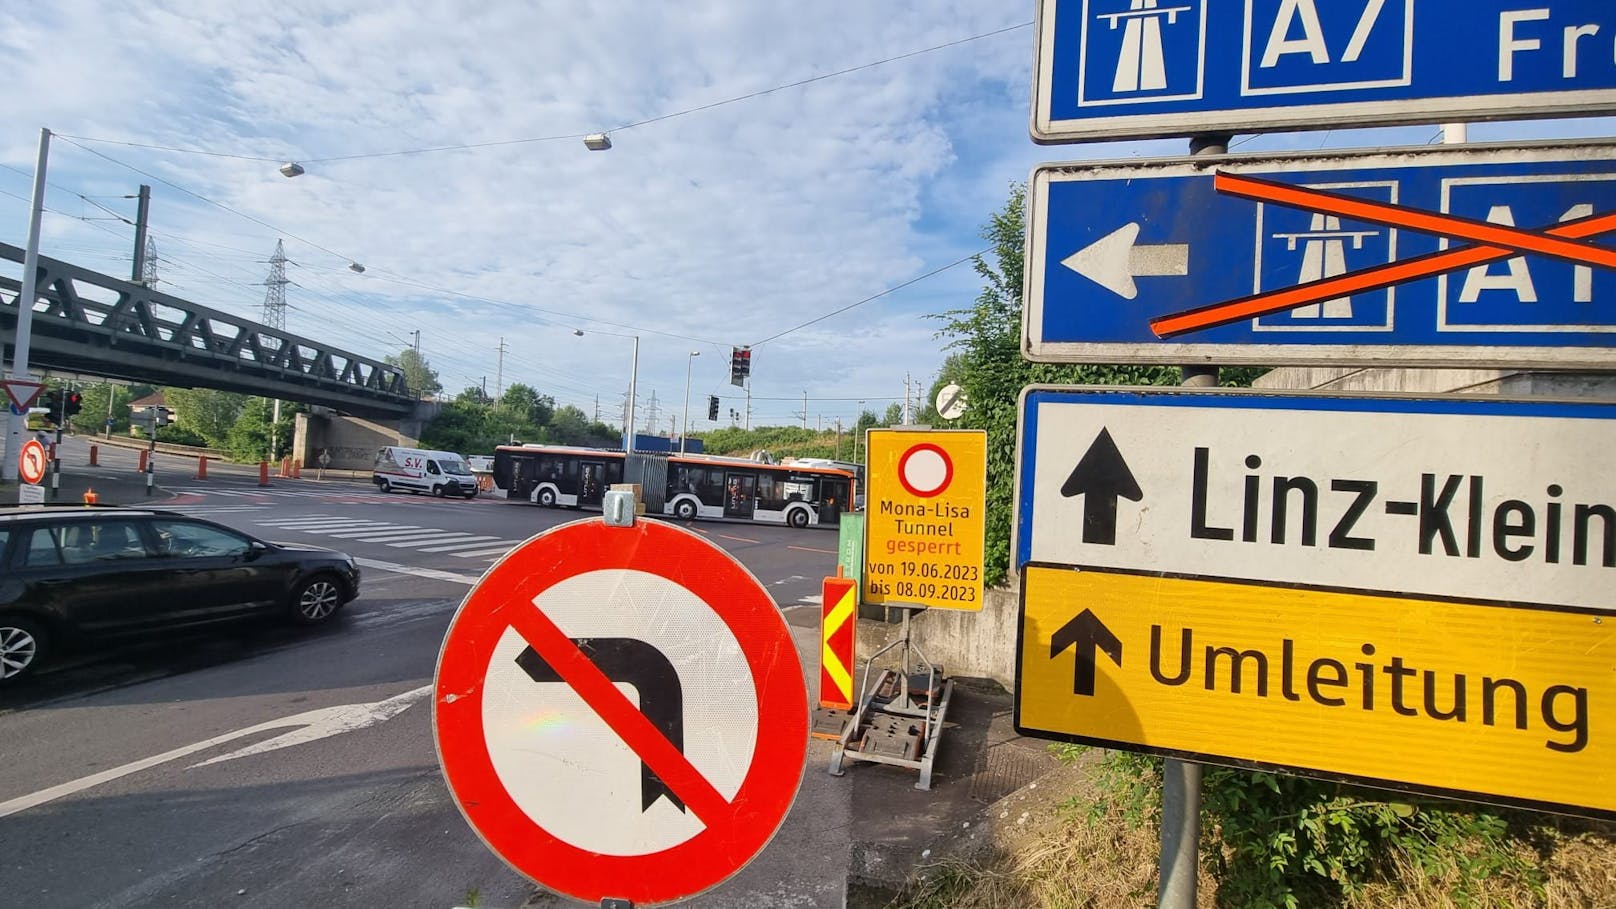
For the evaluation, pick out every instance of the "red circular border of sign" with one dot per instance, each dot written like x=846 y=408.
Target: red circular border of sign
x=778 y=759
x=22 y=461
x=948 y=466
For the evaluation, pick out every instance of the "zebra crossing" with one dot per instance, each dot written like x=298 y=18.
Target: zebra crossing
x=397 y=536
x=272 y=493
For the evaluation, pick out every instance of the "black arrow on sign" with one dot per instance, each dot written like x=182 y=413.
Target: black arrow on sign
x=1086 y=634
x=648 y=670
x=1103 y=477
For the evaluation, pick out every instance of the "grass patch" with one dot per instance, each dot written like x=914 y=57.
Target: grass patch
x=1370 y=851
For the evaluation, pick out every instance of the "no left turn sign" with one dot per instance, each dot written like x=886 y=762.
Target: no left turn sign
x=620 y=712
x=31 y=462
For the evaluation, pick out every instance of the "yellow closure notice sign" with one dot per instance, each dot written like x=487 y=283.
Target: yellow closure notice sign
x=925 y=497
x=1489 y=702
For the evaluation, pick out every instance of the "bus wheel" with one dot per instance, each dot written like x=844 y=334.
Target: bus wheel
x=685 y=510
x=798 y=517
x=547 y=498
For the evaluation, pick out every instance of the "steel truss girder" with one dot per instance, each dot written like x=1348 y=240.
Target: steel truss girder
x=138 y=334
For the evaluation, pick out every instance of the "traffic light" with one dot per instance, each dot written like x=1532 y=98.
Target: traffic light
x=73 y=403
x=712 y=408
x=52 y=402
x=740 y=365
x=160 y=417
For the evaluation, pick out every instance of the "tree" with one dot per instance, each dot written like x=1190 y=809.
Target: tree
x=525 y=402
x=208 y=412
x=474 y=394
x=418 y=372
x=894 y=415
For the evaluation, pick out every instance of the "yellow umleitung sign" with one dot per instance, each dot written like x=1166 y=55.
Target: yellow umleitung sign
x=924 y=501
x=1499 y=703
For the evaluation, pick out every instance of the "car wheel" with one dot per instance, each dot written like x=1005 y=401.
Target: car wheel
x=437 y=492
x=547 y=498
x=798 y=517
x=385 y=486
x=316 y=599
x=685 y=510
x=22 y=647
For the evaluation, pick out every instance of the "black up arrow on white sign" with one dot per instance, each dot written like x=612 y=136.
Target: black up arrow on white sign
x=1103 y=477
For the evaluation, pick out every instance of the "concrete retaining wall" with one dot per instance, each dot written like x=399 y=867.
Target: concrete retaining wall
x=973 y=644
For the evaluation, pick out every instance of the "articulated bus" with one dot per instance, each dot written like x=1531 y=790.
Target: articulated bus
x=681 y=486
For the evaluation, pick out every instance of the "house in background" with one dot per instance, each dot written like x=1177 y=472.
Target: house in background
x=140 y=410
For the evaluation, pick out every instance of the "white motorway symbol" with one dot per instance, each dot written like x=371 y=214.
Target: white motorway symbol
x=305 y=727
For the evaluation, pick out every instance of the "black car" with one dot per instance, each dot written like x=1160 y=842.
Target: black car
x=80 y=575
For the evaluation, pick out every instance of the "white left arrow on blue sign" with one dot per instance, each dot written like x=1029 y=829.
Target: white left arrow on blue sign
x=1113 y=261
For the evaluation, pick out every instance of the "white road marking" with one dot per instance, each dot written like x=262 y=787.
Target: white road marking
x=312 y=726
x=428 y=573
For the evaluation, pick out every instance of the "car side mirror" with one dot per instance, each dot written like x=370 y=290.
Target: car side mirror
x=255 y=549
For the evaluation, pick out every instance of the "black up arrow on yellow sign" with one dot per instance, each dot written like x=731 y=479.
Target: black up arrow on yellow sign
x=1493 y=702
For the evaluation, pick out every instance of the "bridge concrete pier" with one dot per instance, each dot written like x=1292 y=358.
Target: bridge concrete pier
x=352 y=441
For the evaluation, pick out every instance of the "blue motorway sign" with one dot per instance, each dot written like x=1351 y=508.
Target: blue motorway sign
x=1109 y=69
x=1475 y=255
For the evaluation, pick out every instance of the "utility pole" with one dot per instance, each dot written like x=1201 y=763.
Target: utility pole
x=137 y=274
x=275 y=289
x=597 y=408
x=499 y=369
x=148 y=275
x=805 y=408
x=906 y=419
x=748 y=405
x=651 y=414
x=274 y=317
x=838 y=438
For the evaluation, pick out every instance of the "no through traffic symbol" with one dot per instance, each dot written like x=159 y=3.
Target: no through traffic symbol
x=620 y=712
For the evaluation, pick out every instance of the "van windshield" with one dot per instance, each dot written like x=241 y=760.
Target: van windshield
x=458 y=468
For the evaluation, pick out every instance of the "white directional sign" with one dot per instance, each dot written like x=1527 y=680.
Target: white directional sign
x=1484 y=499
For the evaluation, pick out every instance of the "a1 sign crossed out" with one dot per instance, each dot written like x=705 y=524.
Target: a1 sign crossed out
x=1488 y=256
x=567 y=684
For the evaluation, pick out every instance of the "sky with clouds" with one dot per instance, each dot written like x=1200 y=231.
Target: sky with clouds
x=718 y=227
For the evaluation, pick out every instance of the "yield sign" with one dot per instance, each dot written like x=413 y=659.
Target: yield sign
x=22 y=393
x=620 y=712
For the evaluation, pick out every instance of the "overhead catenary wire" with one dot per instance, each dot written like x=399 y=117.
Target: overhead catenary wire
x=559 y=137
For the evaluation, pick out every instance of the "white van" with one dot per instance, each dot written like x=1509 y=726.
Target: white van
x=441 y=473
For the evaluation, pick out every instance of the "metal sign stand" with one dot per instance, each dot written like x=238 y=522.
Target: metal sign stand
x=880 y=730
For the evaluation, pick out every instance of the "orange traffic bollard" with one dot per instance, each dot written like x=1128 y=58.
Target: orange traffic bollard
x=95 y=450
x=201 y=467
x=286 y=468
x=297 y=469
x=263 y=473
x=90 y=498
x=144 y=457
